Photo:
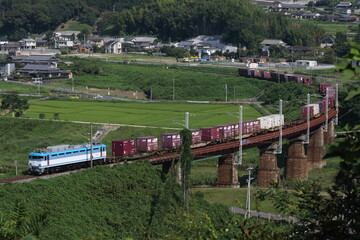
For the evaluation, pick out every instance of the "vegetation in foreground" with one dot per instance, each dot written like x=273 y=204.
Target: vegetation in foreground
x=115 y=203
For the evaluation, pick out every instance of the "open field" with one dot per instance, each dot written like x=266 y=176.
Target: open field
x=332 y=28
x=164 y=81
x=148 y=114
x=19 y=88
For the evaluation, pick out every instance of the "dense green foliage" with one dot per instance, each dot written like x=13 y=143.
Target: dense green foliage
x=13 y=103
x=293 y=96
x=115 y=203
x=186 y=158
x=163 y=80
x=237 y=21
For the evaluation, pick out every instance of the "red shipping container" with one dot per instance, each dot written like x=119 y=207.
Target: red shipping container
x=123 y=147
x=225 y=131
x=171 y=140
x=256 y=73
x=322 y=87
x=146 y=144
x=307 y=81
x=250 y=126
x=266 y=74
x=209 y=133
x=235 y=129
x=196 y=136
x=304 y=110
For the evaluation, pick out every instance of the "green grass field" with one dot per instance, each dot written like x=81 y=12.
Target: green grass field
x=148 y=114
x=332 y=28
x=164 y=81
x=19 y=88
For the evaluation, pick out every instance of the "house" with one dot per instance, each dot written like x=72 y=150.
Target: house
x=11 y=47
x=345 y=11
x=66 y=35
x=270 y=42
x=44 y=70
x=327 y=42
x=344 y=5
x=114 y=47
x=35 y=59
x=298 y=48
x=6 y=68
x=96 y=41
x=310 y=15
x=27 y=43
x=41 y=43
x=141 y=40
x=284 y=7
x=63 y=43
x=3 y=41
x=306 y=63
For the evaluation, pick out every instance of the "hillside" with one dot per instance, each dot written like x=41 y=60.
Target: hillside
x=238 y=21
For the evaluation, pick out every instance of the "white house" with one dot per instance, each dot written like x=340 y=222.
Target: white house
x=27 y=43
x=63 y=43
x=3 y=41
x=306 y=63
x=66 y=35
x=114 y=47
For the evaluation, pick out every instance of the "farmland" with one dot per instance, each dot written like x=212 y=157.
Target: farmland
x=148 y=114
x=164 y=81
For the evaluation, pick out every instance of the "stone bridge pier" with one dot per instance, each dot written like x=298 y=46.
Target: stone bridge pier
x=173 y=167
x=296 y=161
x=316 y=150
x=268 y=170
x=329 y=136
x=227 y=175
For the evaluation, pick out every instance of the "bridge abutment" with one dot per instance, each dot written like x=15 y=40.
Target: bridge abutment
x=268 y=170
x=174 y=168
x=297 y=161
x=227 y=175
x=329 y=136
x=316 y=150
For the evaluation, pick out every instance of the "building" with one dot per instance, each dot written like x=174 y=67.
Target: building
x=274 y=42
x=3 y=41
x=44 y=70
x=96 y=41
x=344 y=5
x=35 y=59
x=327 y=42
x=6 y=68
x=66 y=35
x=27 y=43
x=306 y=63
x=114 y=47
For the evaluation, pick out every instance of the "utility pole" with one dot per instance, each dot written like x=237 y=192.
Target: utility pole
x=239 y=162
x=247 y=213
x=225 y=92
x=327 y=110
x=91 y=147
x=337 y=105
x=187 y=120
x=108 y=91
x=173 y=89
x=72 y=84
x=279 y=149
x=308 y=119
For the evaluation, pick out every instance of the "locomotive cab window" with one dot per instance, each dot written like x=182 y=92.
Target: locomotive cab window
x=36 y=157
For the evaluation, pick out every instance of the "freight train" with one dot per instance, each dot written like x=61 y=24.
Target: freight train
x=279 y=77
x=67 y=157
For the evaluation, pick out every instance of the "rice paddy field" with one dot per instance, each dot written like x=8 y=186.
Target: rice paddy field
x=169 y=115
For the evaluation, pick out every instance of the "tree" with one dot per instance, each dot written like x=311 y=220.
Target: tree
x=185 y=159
x=341 y=45
x=13 y=103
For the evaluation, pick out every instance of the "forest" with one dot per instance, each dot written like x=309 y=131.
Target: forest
x=238 y=22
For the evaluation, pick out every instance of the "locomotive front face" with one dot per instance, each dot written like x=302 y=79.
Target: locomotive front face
x=37 y=162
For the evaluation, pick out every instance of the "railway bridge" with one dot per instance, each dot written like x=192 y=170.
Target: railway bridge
x=300 y=157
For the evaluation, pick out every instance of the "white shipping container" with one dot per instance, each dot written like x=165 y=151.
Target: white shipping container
x=277 y=120
x=266 y=122
x=316 y=108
